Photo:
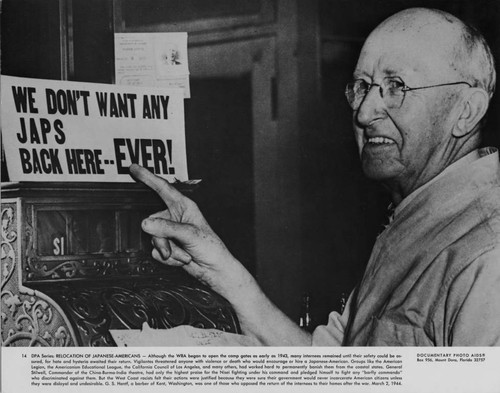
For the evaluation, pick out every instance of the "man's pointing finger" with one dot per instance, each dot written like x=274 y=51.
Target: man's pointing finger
x=162 y=187
x=182 y=233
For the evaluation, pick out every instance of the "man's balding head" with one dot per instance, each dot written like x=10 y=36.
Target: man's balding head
x=461 y=45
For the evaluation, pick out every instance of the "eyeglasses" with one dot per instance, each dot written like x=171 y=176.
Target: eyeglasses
x=391 y=90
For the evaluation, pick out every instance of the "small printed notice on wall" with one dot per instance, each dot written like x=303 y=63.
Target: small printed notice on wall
x=152 y=59
x=74 y=131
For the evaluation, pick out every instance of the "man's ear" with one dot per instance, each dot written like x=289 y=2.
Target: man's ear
x=474 y=108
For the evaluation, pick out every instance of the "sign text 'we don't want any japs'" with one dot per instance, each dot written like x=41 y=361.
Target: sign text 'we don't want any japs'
x=73 y=131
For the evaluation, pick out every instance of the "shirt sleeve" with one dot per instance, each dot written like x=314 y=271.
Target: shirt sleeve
x=475 y=319
x=332 y=334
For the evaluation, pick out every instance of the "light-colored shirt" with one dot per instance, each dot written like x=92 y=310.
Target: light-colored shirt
x=433 y=277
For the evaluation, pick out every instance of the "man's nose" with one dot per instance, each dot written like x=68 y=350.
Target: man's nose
x=371 y=108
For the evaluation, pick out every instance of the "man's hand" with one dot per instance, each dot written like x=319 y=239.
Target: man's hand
x=182 y=237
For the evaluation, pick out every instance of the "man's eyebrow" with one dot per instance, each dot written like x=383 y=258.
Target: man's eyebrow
x=387 y=72
x=392 y=72
x=358 y=74
x=404 y=71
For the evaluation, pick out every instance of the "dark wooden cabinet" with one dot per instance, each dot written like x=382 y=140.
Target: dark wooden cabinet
x=75 y=264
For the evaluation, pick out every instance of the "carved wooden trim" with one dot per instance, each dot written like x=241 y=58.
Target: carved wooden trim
x=163 y=303
x=37 y=269
x=27 y=318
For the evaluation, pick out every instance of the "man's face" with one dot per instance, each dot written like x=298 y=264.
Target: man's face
x=404 y=146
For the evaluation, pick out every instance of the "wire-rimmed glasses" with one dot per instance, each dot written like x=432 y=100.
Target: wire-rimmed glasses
x=392 y=91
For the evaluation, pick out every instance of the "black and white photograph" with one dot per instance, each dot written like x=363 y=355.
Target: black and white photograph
x=260 y=194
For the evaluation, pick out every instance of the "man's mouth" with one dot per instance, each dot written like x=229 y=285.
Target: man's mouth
x=380 y=140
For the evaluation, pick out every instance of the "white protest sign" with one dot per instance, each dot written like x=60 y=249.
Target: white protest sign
x=74 y=131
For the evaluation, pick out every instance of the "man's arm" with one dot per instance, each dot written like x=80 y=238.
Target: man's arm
x=182 y=237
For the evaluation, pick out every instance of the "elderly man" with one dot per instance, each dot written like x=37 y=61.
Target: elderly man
x=421 y=88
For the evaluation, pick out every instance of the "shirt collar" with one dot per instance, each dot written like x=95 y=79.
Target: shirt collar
x=462 y=162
